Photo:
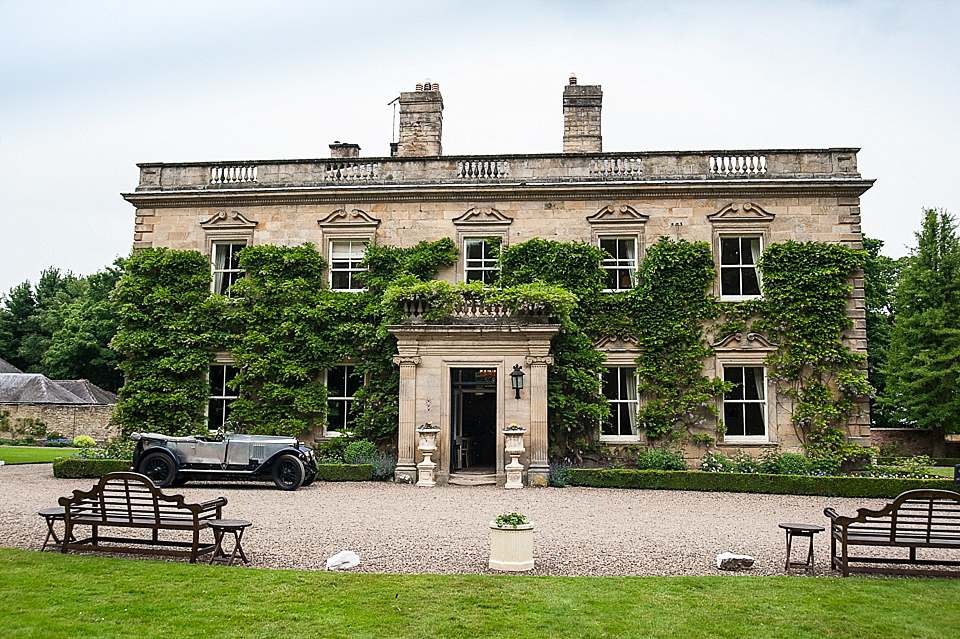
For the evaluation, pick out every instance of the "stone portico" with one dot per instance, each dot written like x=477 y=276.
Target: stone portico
x=431 y=355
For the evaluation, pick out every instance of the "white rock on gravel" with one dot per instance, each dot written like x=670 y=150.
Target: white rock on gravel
x=732 y=561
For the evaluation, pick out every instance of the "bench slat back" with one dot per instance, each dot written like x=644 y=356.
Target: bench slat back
x=917 y=515
x=131 y=498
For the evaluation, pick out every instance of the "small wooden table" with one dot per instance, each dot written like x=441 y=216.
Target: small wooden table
x=222 y=526
x=800 y=530
x=52 y=515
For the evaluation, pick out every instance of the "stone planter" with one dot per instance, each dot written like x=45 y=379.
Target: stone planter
x=428 y=445
x=511 y=549
x=513 y=439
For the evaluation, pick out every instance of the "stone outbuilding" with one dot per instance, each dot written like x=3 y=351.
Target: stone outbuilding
x=31 y=402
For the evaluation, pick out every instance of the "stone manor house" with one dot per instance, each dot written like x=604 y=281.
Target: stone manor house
x=457 y=375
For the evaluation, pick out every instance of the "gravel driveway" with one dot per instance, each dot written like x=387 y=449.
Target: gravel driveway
x=404 y=529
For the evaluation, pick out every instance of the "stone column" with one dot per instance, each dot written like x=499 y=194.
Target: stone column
x=406 y=472
x=539 y=469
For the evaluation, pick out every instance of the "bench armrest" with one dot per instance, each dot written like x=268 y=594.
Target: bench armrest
x=213 y=504
x=831 y=513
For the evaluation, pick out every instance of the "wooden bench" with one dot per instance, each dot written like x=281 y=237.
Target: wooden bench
x=915 y=519
x=131 y=500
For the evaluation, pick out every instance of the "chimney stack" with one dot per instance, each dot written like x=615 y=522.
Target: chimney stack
x=340 y=150
x=421 y=121
x=581 y=117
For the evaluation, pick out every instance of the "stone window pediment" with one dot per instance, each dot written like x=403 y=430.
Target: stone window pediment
x=741 y=214
x=483 y=216
x=355 y=219
x=740 y=342
x=618 y=214
x=228 y=221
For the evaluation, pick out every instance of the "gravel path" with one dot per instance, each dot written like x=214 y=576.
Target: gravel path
x=405 y=529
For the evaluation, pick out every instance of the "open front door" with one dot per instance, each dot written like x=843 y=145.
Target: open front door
x=474 y=418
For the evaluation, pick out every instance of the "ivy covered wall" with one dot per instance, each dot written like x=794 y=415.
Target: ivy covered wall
x=284 y=327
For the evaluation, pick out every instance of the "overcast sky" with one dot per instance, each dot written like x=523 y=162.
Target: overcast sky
x=88 y=89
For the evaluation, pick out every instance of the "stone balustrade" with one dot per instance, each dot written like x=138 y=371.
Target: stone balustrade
x=478 y=311
x=506 y=169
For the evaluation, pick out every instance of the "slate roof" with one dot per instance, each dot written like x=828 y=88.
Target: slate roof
x=7 y=367
x=87 y=391
x=34 y=388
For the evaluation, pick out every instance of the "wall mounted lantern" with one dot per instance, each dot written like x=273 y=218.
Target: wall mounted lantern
x=516 y=379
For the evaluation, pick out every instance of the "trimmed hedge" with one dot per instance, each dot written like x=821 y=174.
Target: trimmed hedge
x=873 y=487
x=73 y=468
x=345 y=472
x=937 y=461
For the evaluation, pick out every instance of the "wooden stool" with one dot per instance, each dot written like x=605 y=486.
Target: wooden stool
x=800 y=530
x=52 y=515
x=223 y=526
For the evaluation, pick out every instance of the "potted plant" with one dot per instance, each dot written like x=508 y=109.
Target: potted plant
x=511 y=543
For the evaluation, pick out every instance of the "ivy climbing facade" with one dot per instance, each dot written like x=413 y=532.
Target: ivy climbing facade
x=596 y=300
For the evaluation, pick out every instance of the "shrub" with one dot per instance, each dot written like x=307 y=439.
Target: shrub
x=559 y=475
x=345 y=472
x=864 y=487
x=84 y=441
x=744 y=463
x=357 y=450
x=115 y=449
x=331 y=451
x=661 y=459
x=779 y=463
x=76 y=468
x=716 y=463
x=383 y=465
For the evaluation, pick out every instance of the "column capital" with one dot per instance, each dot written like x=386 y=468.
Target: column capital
x=407 y=360
x=538 y=360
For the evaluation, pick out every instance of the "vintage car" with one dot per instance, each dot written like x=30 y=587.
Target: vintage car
x=174 y=460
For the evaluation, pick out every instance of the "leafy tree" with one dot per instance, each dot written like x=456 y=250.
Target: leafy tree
x=79 y=348
x=880 y=275
x=923 y=361
x=53 y=293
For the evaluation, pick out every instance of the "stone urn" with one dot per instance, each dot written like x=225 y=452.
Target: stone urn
x=513 y=445
x=511 y=545
x=427 y=435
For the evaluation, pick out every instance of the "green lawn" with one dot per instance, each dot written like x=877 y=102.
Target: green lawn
x=32 y=454
x=51 y=595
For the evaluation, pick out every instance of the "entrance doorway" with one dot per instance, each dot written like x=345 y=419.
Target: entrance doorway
x=473 y=442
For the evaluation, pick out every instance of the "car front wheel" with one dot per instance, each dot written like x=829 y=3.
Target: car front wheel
x=159 y=467
x=288 y=473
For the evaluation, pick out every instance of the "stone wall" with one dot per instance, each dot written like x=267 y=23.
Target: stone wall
x=913 y=441
x=68 y=420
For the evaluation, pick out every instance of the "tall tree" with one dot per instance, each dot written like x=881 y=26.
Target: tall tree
x=880 y=274
x=19 y=306
x=923 y=361
x=79 y=348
